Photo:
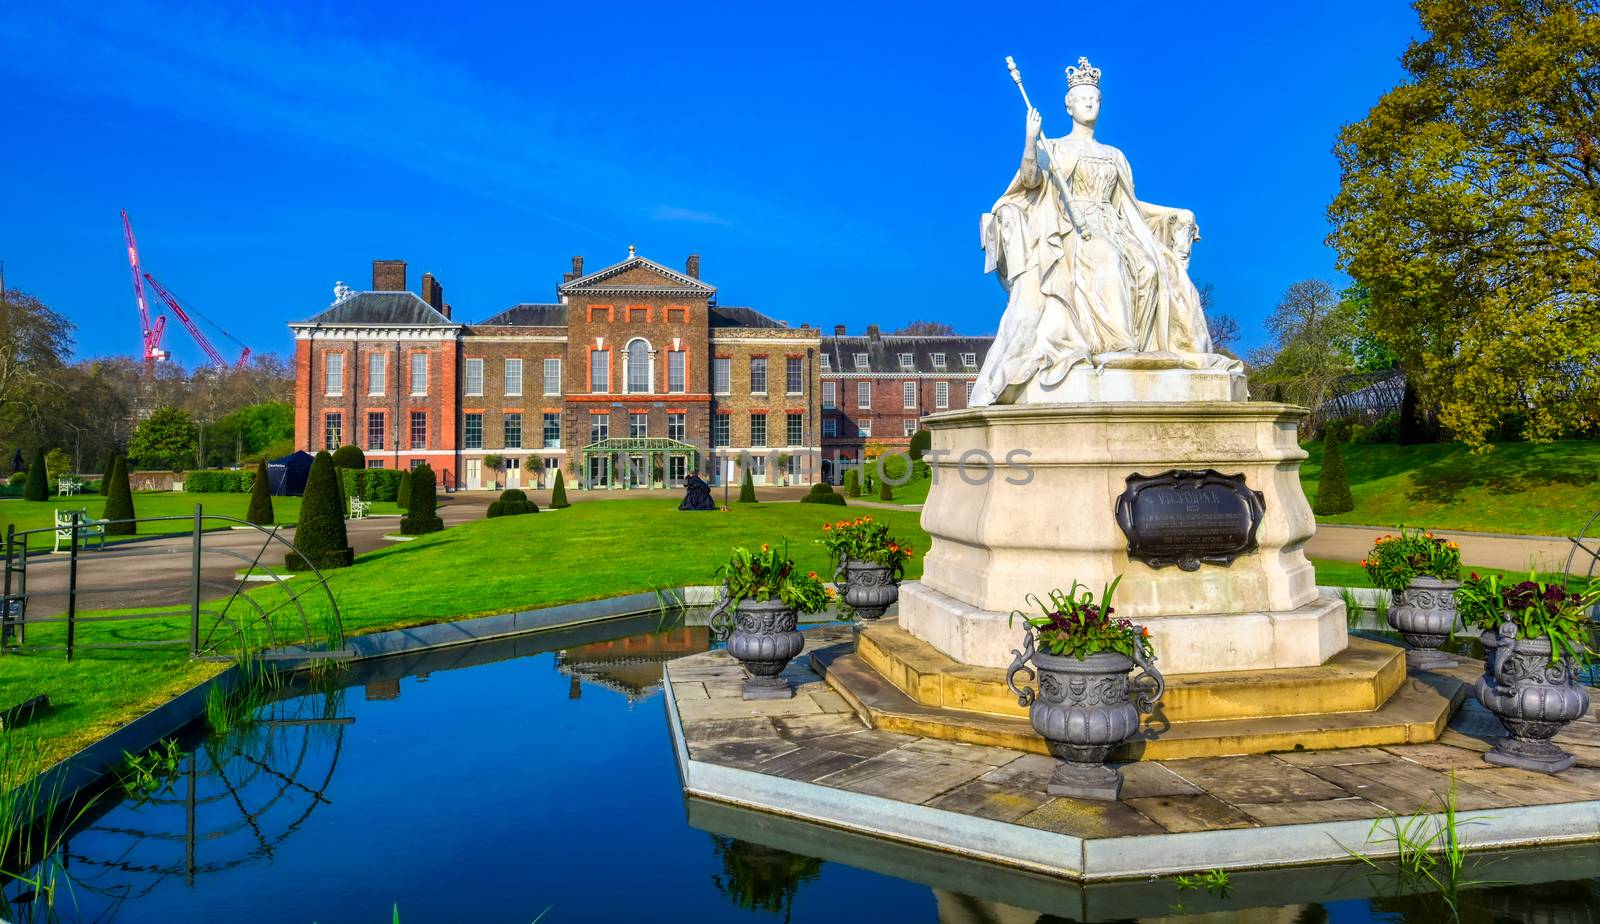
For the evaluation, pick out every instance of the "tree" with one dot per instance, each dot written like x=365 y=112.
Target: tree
x=925 y=329
x=420 y=517
x=1313 y=346
x=921 y=442
x=105 y=475
x=319 y=538
x=165 y=439
x=885 y=490
x=1469 y=205
x=261 y=498
x=747 y=488
x=852 y=482
x=34 y=345
x=38 y=487
x=119 y=501
x=558 y=494
x=253 y=432
x=1333 y=487
x=402 y=494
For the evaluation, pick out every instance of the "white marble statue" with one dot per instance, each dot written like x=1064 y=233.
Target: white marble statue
x=1093 y=275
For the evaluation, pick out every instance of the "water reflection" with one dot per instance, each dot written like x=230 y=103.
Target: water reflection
x=760 y=878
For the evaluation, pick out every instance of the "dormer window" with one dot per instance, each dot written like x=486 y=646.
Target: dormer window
x=938 y=361
x=827 y=363
x=907 y=361
x=861 y=361
x=969 y=359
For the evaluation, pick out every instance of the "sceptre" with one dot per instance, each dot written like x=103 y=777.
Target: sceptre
x=1066 y=201
x=1016 y=77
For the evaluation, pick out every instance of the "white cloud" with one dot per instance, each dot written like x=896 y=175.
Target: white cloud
x=673 y=213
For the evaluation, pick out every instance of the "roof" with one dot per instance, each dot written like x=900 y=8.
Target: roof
x=656 y=280
x=527 y=315
x=883 y=354
x=387 y=309
x=740 y=316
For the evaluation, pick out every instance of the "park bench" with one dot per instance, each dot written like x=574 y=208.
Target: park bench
x=359 y=508
x=66 y=487
x=86 y=528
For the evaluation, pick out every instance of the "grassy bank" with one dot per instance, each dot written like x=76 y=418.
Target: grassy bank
x=1546 y=490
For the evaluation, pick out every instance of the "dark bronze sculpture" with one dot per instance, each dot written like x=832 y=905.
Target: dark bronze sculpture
x=697 y=494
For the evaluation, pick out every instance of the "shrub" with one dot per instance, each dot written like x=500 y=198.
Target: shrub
x=119 y=501
x=1333 y=487
x=57 y=465
x=218 y=482
x=885 y=490
x=921 y=442
x=747 y=489
x=19 y=479
x=823 y=493
x=512 y=502
x=420 y=517
x=320 y=538
x=260 y=512
x=1385 y=429
x=105 y=474
x=558 y=494
x=38 y=488
x=349 y=456
x=852 y=482
x=402 y=491
x=375 y=484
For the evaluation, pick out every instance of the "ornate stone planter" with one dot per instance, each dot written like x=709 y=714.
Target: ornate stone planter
x=764 y=639
x=869 y=589
x=1084 y=710
x=1533 y=698
x=1425 y=614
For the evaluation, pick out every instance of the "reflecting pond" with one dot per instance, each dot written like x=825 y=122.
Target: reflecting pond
x=505 y=780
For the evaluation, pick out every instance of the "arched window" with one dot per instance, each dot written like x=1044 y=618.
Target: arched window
x=638 y=367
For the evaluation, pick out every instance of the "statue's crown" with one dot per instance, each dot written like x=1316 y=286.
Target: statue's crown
x=1083 y=75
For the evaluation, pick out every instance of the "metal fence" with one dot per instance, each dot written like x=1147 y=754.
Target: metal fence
x=64 y=584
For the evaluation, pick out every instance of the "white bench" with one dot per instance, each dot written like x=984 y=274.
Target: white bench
x=66 y=487
x=359 y=508
x=86 y=527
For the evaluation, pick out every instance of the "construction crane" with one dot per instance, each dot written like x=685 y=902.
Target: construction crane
x=194 y=330
x=150 y=333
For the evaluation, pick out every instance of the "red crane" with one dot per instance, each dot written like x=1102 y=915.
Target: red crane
x=194 y=331
x=151 y=333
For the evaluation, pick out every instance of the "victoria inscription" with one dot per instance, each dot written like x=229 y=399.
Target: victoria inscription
x=1189 y=518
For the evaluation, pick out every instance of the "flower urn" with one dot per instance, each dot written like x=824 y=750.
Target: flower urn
x=868 y=588
x=764 y=640
x=1084 y=708
x=1533 y=695
x=1424 y=613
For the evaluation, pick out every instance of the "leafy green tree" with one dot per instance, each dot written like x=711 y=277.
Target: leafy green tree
x=558 y=494
x=747 y=489
x=260 y=511
x=1314 y=335
x=420 y=517
x=1469 y=205
x=319 y=537
x=921 y=442
x=119 y=501
x=1333 y=486
x=34 y=345
x=57 y=465
x=165 y=439
x=38 y=487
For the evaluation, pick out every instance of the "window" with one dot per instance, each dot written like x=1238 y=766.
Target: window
x=793 y=373
x=677 y=426
x=374 y=463
x=969 y=394
x=941 y=395
x=599 y=313
x=639 y=314
x=721 y=367
x=552 y=376
x=374 y=430
x=906 y=361
x=333 y=431
x=938 y=361
x=333 y=373
x=474 y=377
x=861 y=360
x=474 y=432
x=969 y=359
x=828 y=391
x=377 y=369
x=908 y=394
x=552 y=430
x=638 y=424
x=864 y=394
x=719 y=430
x=599 y=427
x=830 y=428
x=419 y=429
x=513 y=431
x=599 y=371
x=758 y=375
x=865 y=427
x=827 y=363
x=638 y=366
x=794 y=426
x=418 y=463
x=419 y=373
x=678 y=313
x=514 y=377
x=677 y=368
x=909 y=426
x=758 y=429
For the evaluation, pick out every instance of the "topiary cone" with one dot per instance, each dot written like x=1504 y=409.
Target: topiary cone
x=260 y=512
x=38 y=486
x=119 y=501
x=852 y=483
x=885 y=490
x=402 y=494
x=420 y=517
x=558 y=494
x=105 y=475
x=747 y=489
x=320 y=536
x=1333 y=486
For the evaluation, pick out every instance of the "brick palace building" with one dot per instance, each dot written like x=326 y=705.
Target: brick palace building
x=634 y=376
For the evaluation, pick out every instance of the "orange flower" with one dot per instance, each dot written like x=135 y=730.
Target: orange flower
x=827 y=527
x=765 y=547
x=867 y=518
x=812 y=575
x=893 y=547
x=910 y=554
x=830 y=590
x=1145 y=631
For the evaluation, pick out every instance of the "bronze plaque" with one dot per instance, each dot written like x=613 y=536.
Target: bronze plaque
x=1189 y=518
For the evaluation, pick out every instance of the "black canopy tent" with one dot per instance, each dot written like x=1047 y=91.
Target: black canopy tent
x=287 y=476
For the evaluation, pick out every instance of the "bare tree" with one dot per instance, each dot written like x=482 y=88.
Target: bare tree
x=925 y=329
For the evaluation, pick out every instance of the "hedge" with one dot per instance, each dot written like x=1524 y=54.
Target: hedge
x=382 y=484
x=219 y=481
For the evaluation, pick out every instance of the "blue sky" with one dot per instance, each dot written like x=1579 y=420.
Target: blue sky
x=828 y=161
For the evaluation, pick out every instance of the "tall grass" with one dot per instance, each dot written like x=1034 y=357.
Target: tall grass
x=1429 y=854
x=35 y=817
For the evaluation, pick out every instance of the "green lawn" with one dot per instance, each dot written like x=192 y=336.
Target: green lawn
x=1351 y=574
x=1546 y=489
x=41 y=514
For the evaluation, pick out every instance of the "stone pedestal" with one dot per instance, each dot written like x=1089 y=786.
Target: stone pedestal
x=1043 y=515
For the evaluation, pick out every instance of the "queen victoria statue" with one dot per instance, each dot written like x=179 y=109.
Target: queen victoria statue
x=1095 y=278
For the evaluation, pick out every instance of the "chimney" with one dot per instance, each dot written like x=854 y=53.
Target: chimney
x=691 y=267
x=872 y=332
x=838 y=330
x=577 y=267
x=433 y=294
x=388 y=275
